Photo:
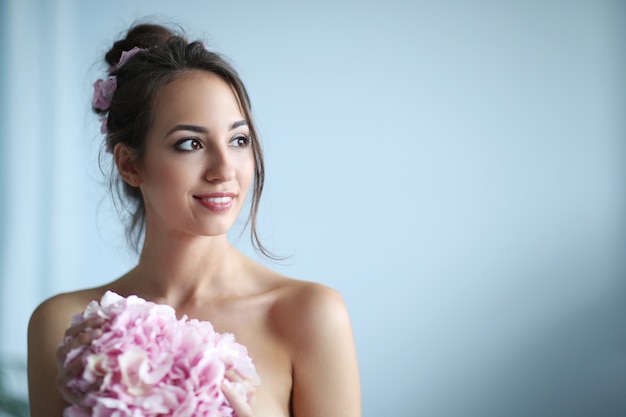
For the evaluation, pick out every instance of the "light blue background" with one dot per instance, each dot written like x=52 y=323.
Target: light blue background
x=454 y=168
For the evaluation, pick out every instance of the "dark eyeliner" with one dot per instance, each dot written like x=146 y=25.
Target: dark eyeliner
x=247 y=140
x=190 y=139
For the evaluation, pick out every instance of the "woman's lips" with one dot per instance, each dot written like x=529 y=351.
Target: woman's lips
x=216 y=201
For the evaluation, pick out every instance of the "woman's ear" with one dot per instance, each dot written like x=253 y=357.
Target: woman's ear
x=127 y=164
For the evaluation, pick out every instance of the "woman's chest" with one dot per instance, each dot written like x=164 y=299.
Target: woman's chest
x=253 y=328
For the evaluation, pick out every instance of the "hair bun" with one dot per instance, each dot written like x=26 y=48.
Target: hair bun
x=142 y=36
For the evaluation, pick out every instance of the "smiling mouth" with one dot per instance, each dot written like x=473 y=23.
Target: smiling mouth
x=216 y=202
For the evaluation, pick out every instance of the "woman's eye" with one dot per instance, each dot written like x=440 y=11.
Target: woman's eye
x=188 y=144
x=240 y=141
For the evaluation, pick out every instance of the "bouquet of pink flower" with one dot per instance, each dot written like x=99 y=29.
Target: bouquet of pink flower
x=149 y=363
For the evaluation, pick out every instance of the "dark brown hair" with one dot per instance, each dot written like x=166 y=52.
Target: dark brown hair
x=166 y=56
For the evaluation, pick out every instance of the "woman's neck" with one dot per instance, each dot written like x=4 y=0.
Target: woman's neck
x=179 y=270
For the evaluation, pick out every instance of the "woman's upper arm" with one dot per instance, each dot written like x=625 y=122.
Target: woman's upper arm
x=45 y=331
x=326 y=375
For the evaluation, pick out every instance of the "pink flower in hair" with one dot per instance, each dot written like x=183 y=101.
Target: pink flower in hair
x=103 y=89
x=126 y=55
x=148 y=363
x=103 y=93
x=103 y=125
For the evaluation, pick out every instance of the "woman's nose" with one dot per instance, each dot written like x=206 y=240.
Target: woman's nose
x=220 y=166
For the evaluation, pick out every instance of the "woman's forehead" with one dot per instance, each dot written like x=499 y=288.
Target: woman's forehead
x=200 y=96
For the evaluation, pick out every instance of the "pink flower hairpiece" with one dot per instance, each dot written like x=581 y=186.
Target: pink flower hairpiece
x=103 y=89
x=103 y=93
x=126 y=55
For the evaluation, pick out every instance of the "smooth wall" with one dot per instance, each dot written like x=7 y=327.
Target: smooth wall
x=454 y=168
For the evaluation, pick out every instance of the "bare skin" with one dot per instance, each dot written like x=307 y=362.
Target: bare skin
x=294 y=331
x=297 y=333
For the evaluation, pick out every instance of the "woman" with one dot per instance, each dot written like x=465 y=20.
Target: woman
x=177 y=120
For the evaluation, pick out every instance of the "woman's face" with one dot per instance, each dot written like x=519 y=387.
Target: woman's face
x=198 y=162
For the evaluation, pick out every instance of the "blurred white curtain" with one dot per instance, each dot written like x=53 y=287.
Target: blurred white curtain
x=35 y=150
x=49 y=179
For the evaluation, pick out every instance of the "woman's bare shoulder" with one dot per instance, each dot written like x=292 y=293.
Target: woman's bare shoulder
x=71 y=300
x=303 y=310
x=57 y=311
x=308 y=297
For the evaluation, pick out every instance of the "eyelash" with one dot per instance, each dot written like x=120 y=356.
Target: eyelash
x=193 y=141
x=179 y=145
x=246 y=141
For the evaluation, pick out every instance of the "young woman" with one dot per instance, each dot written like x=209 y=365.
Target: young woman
x=177 y=120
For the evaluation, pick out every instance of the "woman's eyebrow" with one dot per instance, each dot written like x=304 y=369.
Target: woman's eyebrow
x=191 y=128
x=238 y=124
x=200 y=129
